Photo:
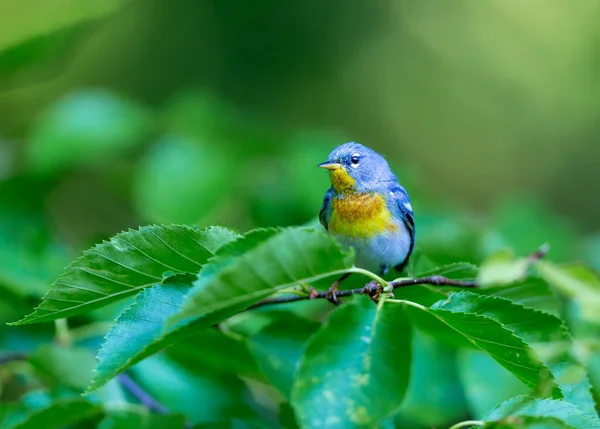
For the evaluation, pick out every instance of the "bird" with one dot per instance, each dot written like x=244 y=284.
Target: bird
x=367 y=209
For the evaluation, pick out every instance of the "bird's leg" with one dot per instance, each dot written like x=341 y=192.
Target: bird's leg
x=383 y=272
x=374 y=289
x=332 y=292
x=310 y=290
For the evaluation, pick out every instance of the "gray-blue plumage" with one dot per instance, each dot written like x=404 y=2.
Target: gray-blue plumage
x=372 y=175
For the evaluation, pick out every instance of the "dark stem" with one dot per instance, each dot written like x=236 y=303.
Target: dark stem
x=140 y=394
x=13 y=357
x=373 y=289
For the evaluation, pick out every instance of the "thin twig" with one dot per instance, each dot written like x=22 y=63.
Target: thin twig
x=373 y=289
x=140 y=394
x=9 y=357
x=539 y=254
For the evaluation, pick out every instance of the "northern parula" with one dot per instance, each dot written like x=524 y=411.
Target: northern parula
x=367 y=209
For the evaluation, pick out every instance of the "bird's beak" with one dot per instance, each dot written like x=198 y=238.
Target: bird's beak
x=330 y=165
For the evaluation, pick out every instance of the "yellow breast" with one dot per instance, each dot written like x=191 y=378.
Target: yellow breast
x=360 y=215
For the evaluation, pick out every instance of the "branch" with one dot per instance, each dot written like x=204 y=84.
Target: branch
x=140 y=394
x=374 y=289
x=13 y=357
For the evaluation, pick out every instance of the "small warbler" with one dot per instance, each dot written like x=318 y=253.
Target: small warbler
x=367 y=209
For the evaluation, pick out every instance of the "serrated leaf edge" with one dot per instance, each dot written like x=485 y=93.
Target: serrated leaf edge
x=426 y=309
x=30 y=320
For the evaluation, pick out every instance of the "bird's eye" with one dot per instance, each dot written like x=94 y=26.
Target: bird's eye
x=355 y=160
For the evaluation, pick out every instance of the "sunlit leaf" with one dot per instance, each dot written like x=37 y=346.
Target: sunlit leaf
x=140 y=332
x=292 y=257
x=576 y=282
x=534 y=407
x=356 y=368
x=129 y=262
x=502 y=268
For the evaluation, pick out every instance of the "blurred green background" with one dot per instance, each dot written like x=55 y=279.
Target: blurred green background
x=119 y=113
x=131 y=112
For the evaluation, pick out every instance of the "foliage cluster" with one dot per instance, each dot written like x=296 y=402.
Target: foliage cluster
x=361 y=365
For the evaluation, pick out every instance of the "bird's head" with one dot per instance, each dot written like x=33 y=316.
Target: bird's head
x=356 y=168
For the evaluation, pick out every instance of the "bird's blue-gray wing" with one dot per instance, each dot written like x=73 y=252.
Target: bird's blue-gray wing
x=404 y=210
x=325 y=211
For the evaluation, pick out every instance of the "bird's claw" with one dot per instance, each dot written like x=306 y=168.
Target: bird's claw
x=332 y=295
x=374 y=290
x=312 y=294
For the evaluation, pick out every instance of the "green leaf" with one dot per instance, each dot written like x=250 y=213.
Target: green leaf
x=523 y=406
x=475 y=318
x=129 y=262
x=84 y=127
x=19 y=24
x=286 y=417
x=576 y=282
x=134 y=336
x=526 y=422
x=278 y=348
x=478 y=372
x=532 y=292
x=229 y=424
x=59 y=414
x=456 y=271
x=355 y=370
x=429 y=294
x=64 y=366
x=226 y=354
x=434 y=396
x=31 y=257
x=197 y=392
x=292 y=257
x=140 y=418
x=545 y=338
x=502 y=268
x=140 y=332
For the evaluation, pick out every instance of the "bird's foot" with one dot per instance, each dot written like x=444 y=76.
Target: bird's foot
x=312 y=294
x=374 y=290
x=332 y=294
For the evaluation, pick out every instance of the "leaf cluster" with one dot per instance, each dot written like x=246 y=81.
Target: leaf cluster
x=357 y=365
